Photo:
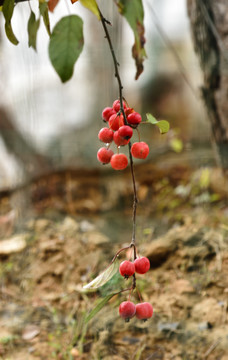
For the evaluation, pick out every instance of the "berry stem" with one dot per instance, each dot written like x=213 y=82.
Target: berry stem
x=117 y=75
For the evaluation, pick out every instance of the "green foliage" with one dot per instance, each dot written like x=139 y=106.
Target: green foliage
x=163 y=125
x=33 y=26
x=99 y=306
x=103 y=278
x=43 y=7
x=66 y=44
x=7 y=9
x=133 y=12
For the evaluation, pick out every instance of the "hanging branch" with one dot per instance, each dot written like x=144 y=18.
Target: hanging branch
x=105 y=22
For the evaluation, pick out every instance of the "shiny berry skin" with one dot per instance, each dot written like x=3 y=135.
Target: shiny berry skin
x=119 y=161
x=107 y=112
x=142 y=265
x=104 y=155
x=140 y=150
x=115 y=121
x=144 y=311
x=127 y=310
x=125 y=132
x=134 y=118
x=116 y=105
x=105 y=135
x=119 y=140
x=127 y=268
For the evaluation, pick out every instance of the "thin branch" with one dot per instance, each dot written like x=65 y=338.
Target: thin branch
x=117 y=75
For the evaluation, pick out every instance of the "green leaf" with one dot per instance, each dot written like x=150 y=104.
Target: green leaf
x=43 y=7
x=33 y=26
x=92 y=6
x=10 y=34
x=103 y=278
x=7 y=9
x=133 y=11
x=66 y=44
x=163 y=125
x=99 y=306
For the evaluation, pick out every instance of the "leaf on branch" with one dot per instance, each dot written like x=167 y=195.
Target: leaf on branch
x=66 y=44
x=91 y=5
x=7 y=9
x=103 y=278
x=43 y=7
x=133 y=11
x=52 y=5
x=99 y=306
x=33 y=26
x=163 y=125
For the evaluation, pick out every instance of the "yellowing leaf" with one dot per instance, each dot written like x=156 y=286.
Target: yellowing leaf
x=133 y=12
x=103 y=278
x=91 y=5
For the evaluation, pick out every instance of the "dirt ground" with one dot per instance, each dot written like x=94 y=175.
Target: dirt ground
x=60 y=231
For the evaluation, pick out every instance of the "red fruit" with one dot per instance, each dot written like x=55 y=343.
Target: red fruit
x=127 y=268
x=144 y=311
x=116 y=105
x=125 y=132
x=134 y=118
x=142 y=265
x=119 y=161
x=115 y=121
x=105 y=135
x=127 y=310
x=140 y=150
x=107 y=112
x=120 y=141
x=104 y=155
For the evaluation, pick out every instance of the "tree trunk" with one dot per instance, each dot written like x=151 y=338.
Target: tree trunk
x=209 y=26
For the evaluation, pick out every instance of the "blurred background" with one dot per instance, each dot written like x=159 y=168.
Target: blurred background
x=53 y=125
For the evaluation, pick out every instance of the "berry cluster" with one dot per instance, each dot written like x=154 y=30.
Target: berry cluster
x=120 y=131
x=128 y=309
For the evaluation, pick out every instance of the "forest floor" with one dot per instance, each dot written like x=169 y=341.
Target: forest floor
x=62 y=230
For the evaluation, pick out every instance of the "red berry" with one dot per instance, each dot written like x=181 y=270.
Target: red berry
x=127 y=268
x=144 y=311
x=140 y=150
x=120 y=141
x=115 y=121
x=107 y=112
x=134 y=118
x=125 y=132
x=104 y=155
x=119 y=161
x=116 y=105
x=105 y=135
x=142 y=265
x=127 y=310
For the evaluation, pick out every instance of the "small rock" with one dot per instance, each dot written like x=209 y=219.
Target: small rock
x=168 y=326
x=13 y=245
x=86 y=226
x=41 y=225
x=204 y=326
x=69 y=225
x=209 y=311
x=30 y=331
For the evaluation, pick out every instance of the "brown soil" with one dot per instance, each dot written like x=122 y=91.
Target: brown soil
x=61 y=230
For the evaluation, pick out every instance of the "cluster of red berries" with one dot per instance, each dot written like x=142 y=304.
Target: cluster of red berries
x=128 y=309
x=120 y=133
